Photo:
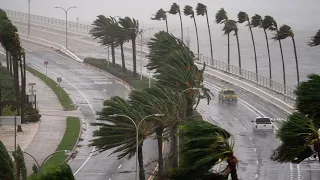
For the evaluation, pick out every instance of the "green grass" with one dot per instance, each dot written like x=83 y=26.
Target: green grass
x=65 y=100
x=68 y=142
x=116 y=70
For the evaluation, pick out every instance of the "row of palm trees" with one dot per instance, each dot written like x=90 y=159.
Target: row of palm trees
x=300 y=134
x=178 y=90
x=114 y=33
x=15 y=58
x=266 y=23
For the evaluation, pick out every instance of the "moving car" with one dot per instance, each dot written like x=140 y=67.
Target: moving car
x=263 y=124
x=228 y=95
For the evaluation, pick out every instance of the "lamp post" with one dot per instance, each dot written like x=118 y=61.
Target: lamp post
x=29 y=1
x=66 y=11
x=137 y=132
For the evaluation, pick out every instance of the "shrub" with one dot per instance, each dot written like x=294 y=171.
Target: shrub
x=9 y=111
x=32 y=115
x=60 y=172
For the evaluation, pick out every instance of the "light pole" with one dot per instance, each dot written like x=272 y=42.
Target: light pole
x=137 y=133
x=29 y=1
x=141 y=33
x=66 y=11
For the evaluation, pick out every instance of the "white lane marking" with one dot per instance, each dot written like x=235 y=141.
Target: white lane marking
x=119 y=166
x=244 y=128
x=236 y=119
x=104 y=90
x=255 y=149
x=256 y=176
x=250 y=138
x=257 y=162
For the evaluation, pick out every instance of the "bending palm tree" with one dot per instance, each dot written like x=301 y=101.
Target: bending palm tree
x=221 y=17
x=188 y=11
x=132 y=28
x=120 y=133
x=204 y=146
x=243 y=17
x=284 y=32
x=315 y=40
x=230 y=26
x=202 y=10
x=161 y=15
x=175 y=9
x=257 y=21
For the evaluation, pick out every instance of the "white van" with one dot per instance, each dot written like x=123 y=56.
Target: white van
x=262 y=123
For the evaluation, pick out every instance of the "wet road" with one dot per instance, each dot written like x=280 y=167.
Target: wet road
x=253 y=149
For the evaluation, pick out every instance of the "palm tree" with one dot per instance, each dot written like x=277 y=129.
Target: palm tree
x=243 y=17
x=120 y=133
x=161 y=15
x=175 y=9
x=99 y=32
x=229 y=26
x=202 y=10
x=222 y=17
x=315 y=40
x=284 y=32
x=257 y=21
x=270 y=24
x=164 y=101
x=188 y=11
x=204 y=146
x=132 y=28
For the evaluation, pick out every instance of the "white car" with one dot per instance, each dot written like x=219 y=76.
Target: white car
x=263 y=124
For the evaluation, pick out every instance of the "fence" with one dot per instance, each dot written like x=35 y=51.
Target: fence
x=282 y=92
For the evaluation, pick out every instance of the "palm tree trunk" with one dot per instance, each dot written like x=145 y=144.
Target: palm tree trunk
x=7 y=58
x=174 y=147
x=254 y=48
x=189 y=110
x=295 y=54
x=159 y=132
x=140 y=159
x=228 y=52
x=134 y=57
x=23 y=89
x=195 y=25
x=16 y=86
x=122 y=58
x=239 y=55
x=181 y=26
x=167 y=25
x=113 y=55
x=210 y=38
x=270 y=72
x=10 y=64
x=283 y=65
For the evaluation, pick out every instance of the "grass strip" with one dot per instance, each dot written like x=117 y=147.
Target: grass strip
x=64 y=99
x=68 y=142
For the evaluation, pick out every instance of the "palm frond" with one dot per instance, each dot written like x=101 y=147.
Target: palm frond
x=242 y=17
x=188 y=11
x=221 y=16
x=201 y=9
x=315 y=40
x=256 y=21
x=175 y=8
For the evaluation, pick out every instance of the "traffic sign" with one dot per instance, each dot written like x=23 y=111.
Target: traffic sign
x=59 y=79
x=46 y=62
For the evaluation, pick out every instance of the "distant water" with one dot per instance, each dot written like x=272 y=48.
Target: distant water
x=302 y=16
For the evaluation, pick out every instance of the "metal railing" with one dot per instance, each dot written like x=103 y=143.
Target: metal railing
x=276 y=89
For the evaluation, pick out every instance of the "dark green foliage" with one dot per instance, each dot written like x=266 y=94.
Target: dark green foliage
x=175 y=9
x=7 y=171
x=284 y=32
x=308 y=98
x=201 y=9
x=230 y=26
x=188 y=11
x=256 y=21
x=32 y=115
x=20 y=166
x=242 y=17
x=6 y=85
x=315 y=40
x=160 y=15
x=299 y=135
x=269 y=23
x=60 y=172
x=221 y=16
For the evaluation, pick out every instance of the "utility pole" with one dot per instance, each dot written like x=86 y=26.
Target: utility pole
x=29 y=17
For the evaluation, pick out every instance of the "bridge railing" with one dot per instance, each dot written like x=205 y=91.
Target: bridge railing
x=276 y=89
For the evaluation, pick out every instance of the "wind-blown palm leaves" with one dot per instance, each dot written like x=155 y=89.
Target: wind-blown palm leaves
x=132 y=28
x=175 y=9
x=300 y=139
x=229 y=26
x=120 y=132
x=315 y=40
x=204 y=144
x=161 y=15
x=164 y=101
x=188 y=11
x=202 y=10
x=243 y=17
x=284 y=32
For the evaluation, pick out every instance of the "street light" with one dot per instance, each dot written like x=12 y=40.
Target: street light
x=40 y=167
x=66 y=11
x=137 y=132
x=29 y=1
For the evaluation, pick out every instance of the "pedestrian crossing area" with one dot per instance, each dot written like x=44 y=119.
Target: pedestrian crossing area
x=295 y=173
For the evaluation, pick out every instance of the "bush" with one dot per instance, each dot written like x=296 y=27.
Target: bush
x=9 y=111
x=6 y=85
x=59 y=172
x=32 y=115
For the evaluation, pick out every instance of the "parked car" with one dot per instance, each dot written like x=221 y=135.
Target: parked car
x=262 y=124
x=228 y=95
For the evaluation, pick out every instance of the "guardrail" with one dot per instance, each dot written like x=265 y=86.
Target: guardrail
x=276 y=89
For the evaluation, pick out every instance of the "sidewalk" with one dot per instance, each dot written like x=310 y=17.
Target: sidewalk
x=52 y=123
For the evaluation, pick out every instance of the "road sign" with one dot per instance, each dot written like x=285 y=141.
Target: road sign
x=46 y=62
x=9 y=120
x=59 y=79
x=31 y=84
x=31 y=98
